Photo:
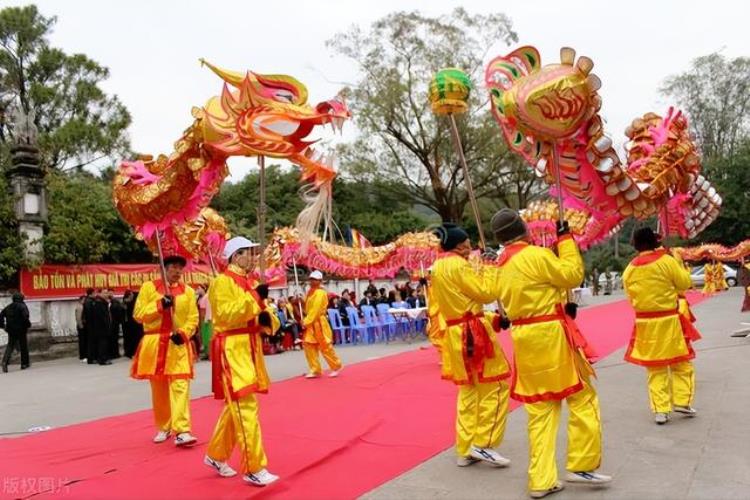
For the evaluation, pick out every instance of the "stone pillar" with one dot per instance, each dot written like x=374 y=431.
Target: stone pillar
x=26 y=181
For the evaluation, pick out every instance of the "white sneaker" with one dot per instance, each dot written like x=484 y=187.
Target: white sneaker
x=312 y=375
x=260 y=478
x=543 y=493
x=84 y=360
x=688 y=411
x=466 y=461
x=588 y=477
x=161 y=436
x=490 y=456
x=335 y=373
x=222 y=468
x=661 y=418
x=185 y=439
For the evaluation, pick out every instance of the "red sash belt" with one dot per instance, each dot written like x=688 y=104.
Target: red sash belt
x=688 y=330
x=483 y=347
x=572 y=333
x=161 y=356
x=219 y=363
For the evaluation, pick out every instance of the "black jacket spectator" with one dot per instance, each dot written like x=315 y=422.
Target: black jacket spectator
x=14 y=318
x=99 y=326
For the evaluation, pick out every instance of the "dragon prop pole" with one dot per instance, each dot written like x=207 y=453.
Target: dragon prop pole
x=472 y=199
x=163 y=270
x=558 y=182
x=449 y=94
x=296 y=283
x=212 y=263
x=262 y=218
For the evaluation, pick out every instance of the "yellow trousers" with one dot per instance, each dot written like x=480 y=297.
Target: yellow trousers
x=481 y=412
x=171 y=403
x=673 y=384
x=584 y=437
x=313 y=360
x=238 y=424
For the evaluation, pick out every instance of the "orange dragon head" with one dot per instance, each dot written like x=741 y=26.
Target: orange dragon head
x=269 y=115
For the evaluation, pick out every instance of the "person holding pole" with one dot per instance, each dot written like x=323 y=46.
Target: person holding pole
x=550 y=354
x=471 y=356
x=239 y=371
x=168 y=312
x=317 y=337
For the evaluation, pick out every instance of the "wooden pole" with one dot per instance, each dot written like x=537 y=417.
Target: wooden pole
x=469 y=187
x=296 y=282
x=212 y=263
x=262 y=218
x=163 y=270
x=558 y=183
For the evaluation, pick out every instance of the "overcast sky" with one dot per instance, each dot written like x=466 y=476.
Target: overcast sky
x=152 y=47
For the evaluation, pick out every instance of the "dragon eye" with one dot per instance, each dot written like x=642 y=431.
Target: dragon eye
x=284 y=95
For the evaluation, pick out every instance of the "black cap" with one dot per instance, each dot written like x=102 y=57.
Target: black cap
x=645 y=239
x=450 y=235
x=175 y=259
x=507 y=225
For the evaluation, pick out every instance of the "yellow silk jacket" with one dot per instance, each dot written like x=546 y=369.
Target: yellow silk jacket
x=436 y=322
x=237 y=338
x=458 y=295
x=531 y=283
x=315 y=323
x=653 y=282
x=157 y=355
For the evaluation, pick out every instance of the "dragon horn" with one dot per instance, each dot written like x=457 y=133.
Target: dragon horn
x=233 y=78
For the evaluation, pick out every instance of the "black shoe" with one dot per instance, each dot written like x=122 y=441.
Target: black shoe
x=5 y=368
x=106 y=363
x=23 y=367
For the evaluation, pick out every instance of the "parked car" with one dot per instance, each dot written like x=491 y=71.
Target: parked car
x=698 y=276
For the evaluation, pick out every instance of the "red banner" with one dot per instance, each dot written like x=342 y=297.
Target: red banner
x=60 y=282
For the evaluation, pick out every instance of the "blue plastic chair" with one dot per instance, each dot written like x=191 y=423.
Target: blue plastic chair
x=372 y=323
x=355 y=327
x=387 y=322
x=339 y=330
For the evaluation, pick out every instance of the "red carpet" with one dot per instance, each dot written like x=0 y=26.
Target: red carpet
x=327 y=438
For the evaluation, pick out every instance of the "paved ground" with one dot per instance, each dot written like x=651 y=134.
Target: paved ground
x=707 y=457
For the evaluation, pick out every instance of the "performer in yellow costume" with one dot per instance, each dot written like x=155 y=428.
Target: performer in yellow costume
x=720 y=276
x=709 y=279
x=239 y=317
x=531 y=283
x=663 y=333
x=317 y=337
x=471 y=356
x=165 y=356
x=435 y=321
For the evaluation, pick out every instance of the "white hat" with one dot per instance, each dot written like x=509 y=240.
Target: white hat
x=316 y=275
x=235 y=244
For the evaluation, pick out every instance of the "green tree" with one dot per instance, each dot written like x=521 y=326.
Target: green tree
x=84 y=226
x=11 y=248
x=78 y=122
x=731 y=177
x=715 y=92
x=380 y=210
x=401 y=138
